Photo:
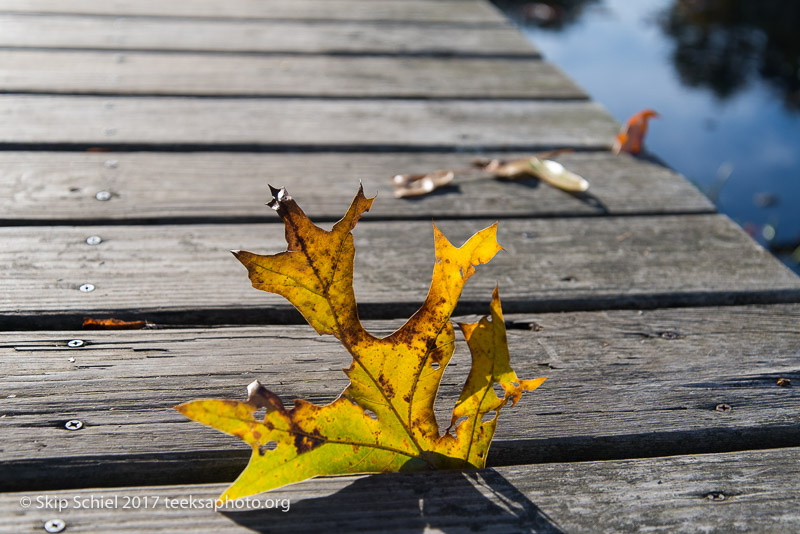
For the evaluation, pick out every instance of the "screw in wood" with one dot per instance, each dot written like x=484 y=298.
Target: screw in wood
x=103 y=195
x=74 y=424
x=75 y=343
x=55 y=525
x=94 y=240
x=86 y=288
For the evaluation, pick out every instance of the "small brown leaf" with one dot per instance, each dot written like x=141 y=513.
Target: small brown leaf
x=549 y=171
x=90 y=323
x=415 y=185
x=631 y=137
x=518 y=168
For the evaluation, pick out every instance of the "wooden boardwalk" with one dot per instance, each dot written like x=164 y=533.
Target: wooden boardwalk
x=663 y=328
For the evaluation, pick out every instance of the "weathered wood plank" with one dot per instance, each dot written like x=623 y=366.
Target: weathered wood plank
x=295 y=36
x=184 y=274
x=622 y=384
x=455 y=11
x=721 y=493
x=61 y=71
x=39 y=120
x=37 y=187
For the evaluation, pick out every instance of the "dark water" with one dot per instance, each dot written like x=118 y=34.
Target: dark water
x=723 y=74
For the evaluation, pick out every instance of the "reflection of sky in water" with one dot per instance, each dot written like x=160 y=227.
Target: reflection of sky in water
x=617 y=51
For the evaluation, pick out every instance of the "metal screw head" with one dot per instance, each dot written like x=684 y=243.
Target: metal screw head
x=112 y=164
x=74 y=424
x=715 y=496
x=55 y=525
x=723 y=407
x=94 y=240
x=86 y=288
x=103 y=195
x=71 y=360
x=75 y=343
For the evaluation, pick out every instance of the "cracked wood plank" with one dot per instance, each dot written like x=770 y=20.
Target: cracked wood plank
x=621 y=384
x=185 y=274
x=259 y=36
x=283 y=123
x=720 y=493
x=421 y=11
x=38 y=187
x=69 y=71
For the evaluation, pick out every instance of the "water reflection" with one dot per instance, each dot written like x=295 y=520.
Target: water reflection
x=554 y=14
x=722 y=44
x=724 y=75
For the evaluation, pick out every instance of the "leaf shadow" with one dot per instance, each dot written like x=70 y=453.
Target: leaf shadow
x=585 y=197
x=446 y=501
x=445 y=190
x=524 y=181
x=590 y=200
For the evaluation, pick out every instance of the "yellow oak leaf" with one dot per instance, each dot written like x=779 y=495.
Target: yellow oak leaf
x=384 y=420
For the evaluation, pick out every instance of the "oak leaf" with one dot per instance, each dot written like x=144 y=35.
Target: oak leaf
x=417 y=185
x=631 y=136
x=384 y=420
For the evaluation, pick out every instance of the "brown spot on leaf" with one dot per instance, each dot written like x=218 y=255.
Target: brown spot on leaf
x=386 y=386
x=305 y=443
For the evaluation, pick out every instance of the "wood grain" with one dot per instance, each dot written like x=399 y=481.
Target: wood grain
x=285 y=123
x=420 y=11
x=64 y=71
x=185 y=274
x=621 y=384
x=752 y=491
x=38 y=187
x=259 y=36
